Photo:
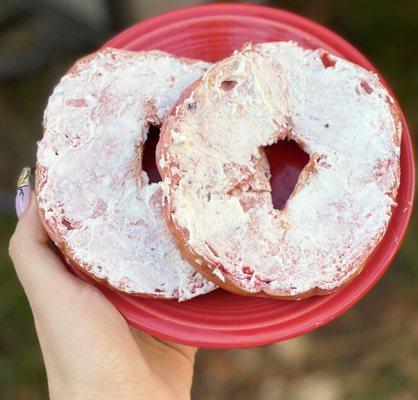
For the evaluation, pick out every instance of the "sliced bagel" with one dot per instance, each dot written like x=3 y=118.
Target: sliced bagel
x=210 y=147
x=95 y=201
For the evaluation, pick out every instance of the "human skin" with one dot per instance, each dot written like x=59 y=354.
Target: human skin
x=89 y=350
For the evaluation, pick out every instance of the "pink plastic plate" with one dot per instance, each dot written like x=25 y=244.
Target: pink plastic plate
x=220 y=319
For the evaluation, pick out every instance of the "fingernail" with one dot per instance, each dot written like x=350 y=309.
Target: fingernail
x=23 y=191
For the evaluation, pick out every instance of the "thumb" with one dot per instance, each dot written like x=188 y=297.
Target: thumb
x=39 y=269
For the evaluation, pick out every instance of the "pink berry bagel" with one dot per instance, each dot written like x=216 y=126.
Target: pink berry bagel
x=95 y=201
x=219 y=206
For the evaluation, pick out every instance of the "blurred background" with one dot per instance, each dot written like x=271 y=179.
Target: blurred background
x=371 y=352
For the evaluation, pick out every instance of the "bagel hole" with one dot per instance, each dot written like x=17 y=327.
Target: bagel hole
x=287 y=161
x=149 y=164
x=228 y=85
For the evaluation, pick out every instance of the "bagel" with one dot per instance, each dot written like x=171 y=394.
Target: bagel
x=94 y=199
x=219 y=207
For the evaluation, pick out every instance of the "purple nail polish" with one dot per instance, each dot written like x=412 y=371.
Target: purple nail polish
x=23 y=191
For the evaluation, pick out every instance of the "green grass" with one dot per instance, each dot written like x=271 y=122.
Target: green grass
x=21 y=370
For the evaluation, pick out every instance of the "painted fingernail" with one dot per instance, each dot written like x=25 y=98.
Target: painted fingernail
x=23 y=191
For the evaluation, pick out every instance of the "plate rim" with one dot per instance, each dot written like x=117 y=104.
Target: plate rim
x=234 y=339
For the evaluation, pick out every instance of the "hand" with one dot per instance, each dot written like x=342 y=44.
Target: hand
x=89 y=350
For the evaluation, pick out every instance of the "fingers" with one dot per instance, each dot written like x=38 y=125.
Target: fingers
x=40 y=270
x=142 y=338
x=172 y=361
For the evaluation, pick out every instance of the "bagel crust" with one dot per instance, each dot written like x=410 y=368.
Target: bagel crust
x=219 y=207
x=94 y=199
